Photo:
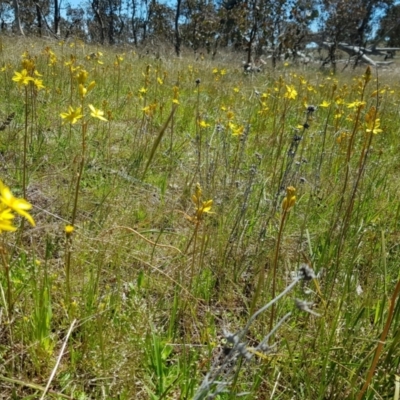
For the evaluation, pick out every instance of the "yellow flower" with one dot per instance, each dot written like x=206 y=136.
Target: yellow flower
x=236 y=89
x=215 y=71
x=81 y=76
x=176 y=94
x=68 y=229
x=38 y=83
x=52 y=60
x=96 y=113
x=22 y=78
x=230 y=115
x=237 y=130
x=82 y=90
x=338 y=114
x=91 y=86
x=203 y=124
x=72 y=116
x=206 y=206
x=291 y=92
x=150 y=109
x=28 y=64
x=290 y=199
x=372 y=123
x=202 y=207
x=325 y=104
x=356 y=104
x=160 y=81
x=20 y=206
x=339 y=100
x=6 y=217
x=223 y=72
x=142 y=90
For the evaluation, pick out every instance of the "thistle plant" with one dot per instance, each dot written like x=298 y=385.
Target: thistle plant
x=223 y=370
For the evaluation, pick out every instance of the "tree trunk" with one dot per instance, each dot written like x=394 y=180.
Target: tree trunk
x=95 y=8
x=57 y=17
x=134 y=23
x=17 y=17
x=177 y=32
x=39 y=19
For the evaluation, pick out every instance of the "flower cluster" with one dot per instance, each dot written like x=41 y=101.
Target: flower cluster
x=28 y=75
x=73 y=115
x=202 y=207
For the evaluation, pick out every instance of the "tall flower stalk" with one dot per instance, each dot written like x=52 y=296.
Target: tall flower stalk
x=201 y=208
x=29 y=81
x=73 y=116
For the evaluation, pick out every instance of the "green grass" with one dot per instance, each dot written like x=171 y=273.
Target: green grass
x=150 y=287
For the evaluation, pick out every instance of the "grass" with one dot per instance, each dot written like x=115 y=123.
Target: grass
x=179 y=229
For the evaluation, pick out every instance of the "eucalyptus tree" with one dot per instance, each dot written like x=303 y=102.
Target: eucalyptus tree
x=17 y=17
x=349 y=22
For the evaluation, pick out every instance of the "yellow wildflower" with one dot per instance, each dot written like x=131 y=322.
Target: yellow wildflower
x=72 y=116
x=291 y=92
x=230 y=115
x=176 y=94
x=290 y=199
x=325 y=104
x=356 y=104
x=68 y=229
x=22 y=78
x=6 y=217
x=96 y=113
x=339 y=100
x=202 y=207
x=237 y=130
x=81 y=76
x=372 y=123
x=20 y=206
x=82 y=90
x=203 y=124
x=38 y=83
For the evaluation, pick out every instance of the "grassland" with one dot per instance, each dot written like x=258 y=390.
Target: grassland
x=163 y=220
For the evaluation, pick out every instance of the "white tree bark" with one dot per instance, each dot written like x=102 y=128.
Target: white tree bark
x=17 y=17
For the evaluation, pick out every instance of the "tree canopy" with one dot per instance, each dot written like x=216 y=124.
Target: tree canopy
x=276 y=27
